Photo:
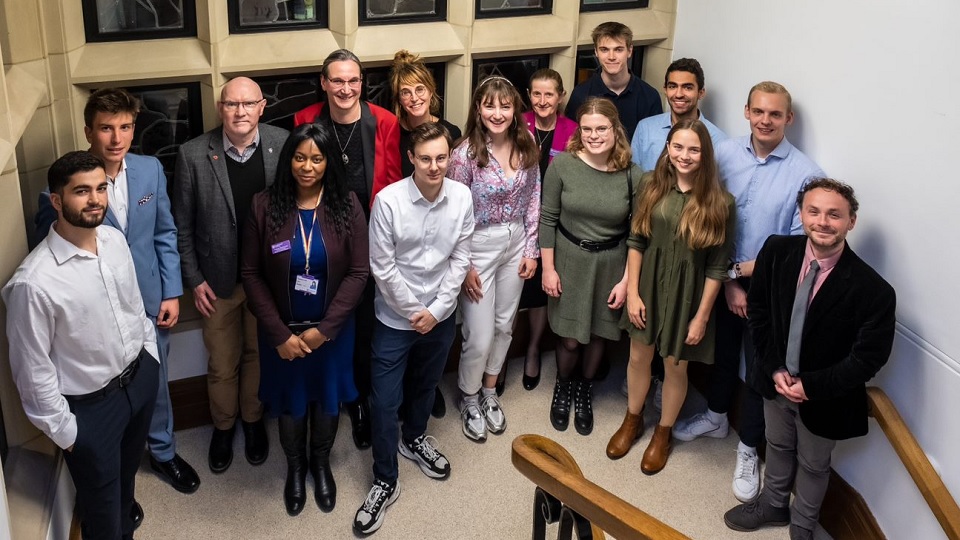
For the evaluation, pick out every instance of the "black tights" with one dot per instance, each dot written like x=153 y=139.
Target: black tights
x=568 y=353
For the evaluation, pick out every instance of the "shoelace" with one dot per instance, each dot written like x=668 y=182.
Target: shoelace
x=583 y=401
x=425 y=447
x=746 y=464
x=373 y=498
x=562 y=395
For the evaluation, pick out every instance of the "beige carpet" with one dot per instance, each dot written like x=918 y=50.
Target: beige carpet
x=485 y=497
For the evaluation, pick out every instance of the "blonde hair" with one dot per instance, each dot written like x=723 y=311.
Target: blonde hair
x=408 y=68
x=619 y=158
x=770 y=87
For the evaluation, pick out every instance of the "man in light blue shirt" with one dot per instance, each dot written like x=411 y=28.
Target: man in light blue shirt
x=683 y=85
x=763 y=172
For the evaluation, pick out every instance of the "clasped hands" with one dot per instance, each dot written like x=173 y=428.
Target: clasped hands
x=789 y=386
x=298 y=346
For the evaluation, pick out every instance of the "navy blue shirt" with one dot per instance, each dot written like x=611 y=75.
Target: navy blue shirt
x=637 y=101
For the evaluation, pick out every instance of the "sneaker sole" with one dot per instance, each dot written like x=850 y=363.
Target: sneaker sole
x=476 y=438
x=494 y=430
x=405 y=452
x=379 y=521
x=713 y=434
x=743 y=499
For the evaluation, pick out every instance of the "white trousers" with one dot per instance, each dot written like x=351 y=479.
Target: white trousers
x=488 y=325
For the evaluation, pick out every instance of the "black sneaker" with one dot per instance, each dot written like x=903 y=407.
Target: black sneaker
x=754 y=515
x=369 y=516
x=431 y=462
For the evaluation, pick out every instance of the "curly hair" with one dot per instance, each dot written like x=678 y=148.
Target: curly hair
x=336 y=194
x=408 y=68
x=524 y=153
x=829 y=184
x=620 y=155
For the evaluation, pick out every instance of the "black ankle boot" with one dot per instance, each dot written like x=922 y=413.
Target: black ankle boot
x=560 y=408
x=323 y=432
x=583 y=407
x=293 y=440
x=359 y=413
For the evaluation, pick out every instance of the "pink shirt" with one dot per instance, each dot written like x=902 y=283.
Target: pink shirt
x=826 y=266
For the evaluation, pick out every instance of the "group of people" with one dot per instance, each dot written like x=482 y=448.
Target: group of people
x=328 y=264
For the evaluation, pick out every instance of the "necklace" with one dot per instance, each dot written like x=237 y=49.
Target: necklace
x=343 y=147
x=541 y=140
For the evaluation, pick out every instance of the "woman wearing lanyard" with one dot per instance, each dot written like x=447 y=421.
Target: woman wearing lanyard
x=497 y=160
x=304 y=267
x=587 y=197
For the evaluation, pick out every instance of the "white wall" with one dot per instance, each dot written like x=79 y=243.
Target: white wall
x=874 y=88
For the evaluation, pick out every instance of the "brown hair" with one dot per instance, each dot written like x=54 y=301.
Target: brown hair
x=339 y=55
x=829 y=184
x=770 y=87
x=408 y=68
x=620 y=155
x=427 y=132
x=524 y=153
x=110 y=101
x=704 y=217
x=613 y=30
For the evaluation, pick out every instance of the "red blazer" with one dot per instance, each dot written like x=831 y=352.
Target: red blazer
x=380 y=133
x=266 y=276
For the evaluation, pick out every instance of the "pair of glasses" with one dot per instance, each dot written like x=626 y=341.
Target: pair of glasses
x=426 y=161
x=232 y=106
x=420 y=91
x=340 y=83
x=601 y=131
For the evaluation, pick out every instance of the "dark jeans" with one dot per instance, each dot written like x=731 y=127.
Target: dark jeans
x=395 y=353
x=732 y=333
x=111 y=433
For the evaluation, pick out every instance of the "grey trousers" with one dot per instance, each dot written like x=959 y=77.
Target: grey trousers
x=795 y=457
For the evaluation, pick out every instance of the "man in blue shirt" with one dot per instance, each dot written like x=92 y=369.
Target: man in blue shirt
x=635 y=99
x=683 y=85
x=763 y=172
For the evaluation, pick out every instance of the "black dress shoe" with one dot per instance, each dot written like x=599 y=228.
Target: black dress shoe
x=256 y=445
x=560 y=407
x=360 y=422
x=177 y=472
x=136 y=514
x=583 y=407
x=531 y=381
x=439 y=406
x=221 y=449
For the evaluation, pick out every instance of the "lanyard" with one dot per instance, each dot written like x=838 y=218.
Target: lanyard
x=308 y=240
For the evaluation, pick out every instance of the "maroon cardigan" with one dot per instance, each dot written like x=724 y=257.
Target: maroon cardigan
x=266 y=277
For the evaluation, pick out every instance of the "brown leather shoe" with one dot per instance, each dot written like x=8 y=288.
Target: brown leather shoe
x=630 y=430
x=657 y=452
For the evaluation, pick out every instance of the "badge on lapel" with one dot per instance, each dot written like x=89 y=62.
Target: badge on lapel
x=145 y=199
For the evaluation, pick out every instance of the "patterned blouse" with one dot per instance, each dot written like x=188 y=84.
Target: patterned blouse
x=498 y=199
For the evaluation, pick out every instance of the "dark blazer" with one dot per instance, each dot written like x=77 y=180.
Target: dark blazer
x=847 y=334
x=151 y=234
x=203 y=207
x=266 y=276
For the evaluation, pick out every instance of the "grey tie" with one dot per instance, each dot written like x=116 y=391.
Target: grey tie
x=798 y=315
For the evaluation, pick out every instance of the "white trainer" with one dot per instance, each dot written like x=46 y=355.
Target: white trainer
x=701 y=425
x=474 y=425
x=493 y=414
x=746 y=477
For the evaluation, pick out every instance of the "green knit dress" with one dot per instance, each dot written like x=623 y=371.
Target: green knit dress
x=592 y=205
x=672 y=278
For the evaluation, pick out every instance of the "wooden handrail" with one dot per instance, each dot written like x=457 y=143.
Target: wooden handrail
x=554 y=470
x=931 y=486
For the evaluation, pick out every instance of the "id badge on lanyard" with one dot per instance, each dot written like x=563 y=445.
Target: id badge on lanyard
x=306 y=283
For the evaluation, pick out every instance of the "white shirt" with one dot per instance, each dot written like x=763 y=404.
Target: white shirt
x=419 y=251
x=75 y=320
x=118 y=195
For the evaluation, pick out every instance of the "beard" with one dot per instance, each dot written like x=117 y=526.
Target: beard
x=78 y=219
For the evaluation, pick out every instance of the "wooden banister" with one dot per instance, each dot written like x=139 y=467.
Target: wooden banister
x=554 y=470
x=931 y=486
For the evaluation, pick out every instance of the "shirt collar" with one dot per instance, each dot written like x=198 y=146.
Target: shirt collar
x=63 y=250
x=599 y=85
x=227 y=145
x=416 y=196
x=781 y=151
x=123 y=168
x=826 y=264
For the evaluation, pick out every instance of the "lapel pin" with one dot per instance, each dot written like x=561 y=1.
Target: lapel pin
x=270 y=150
x=216 y=157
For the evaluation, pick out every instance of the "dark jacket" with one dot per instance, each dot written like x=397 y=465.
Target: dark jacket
x=266 y=276
x=847 y=334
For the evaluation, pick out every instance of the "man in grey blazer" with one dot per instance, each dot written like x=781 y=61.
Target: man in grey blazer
x=217 y=175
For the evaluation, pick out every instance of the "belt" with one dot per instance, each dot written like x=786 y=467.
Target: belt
x=120 y=381
x=590 y=245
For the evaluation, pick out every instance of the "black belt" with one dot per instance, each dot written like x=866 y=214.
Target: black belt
x=120 y=381
x=590 y=245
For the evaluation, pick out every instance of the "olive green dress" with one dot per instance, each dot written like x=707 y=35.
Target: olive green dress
x=592 y=205
x=672 y=278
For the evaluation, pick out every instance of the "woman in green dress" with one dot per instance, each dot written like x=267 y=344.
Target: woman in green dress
x=678 y=250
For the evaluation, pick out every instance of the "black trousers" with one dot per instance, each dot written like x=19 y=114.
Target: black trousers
x=111 y=434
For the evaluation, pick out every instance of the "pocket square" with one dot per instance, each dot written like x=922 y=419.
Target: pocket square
x=145 y=199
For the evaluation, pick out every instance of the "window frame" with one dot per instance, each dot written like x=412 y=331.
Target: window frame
x=614 y=6
x=322 y=8
x=545 y=9
x=364 y=20
x=92 y=33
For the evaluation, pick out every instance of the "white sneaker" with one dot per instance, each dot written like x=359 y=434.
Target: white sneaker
x=700 y=425
x=474 y=425
x=746 y=477
x=493 y=414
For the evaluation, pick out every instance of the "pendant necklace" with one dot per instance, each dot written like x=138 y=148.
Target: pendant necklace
x=343 y=147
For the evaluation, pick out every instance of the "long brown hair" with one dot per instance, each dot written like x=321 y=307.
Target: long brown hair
x=524 y=153
x=704 y=217
x=408 y=68
x=620 y=155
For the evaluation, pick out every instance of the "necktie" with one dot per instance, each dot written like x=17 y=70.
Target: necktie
x=798 y=315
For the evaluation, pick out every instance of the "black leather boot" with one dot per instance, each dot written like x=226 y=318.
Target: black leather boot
x=293 y=440
x=359 y=413
x=560 y=408
x=583 y=407
x=323 y=431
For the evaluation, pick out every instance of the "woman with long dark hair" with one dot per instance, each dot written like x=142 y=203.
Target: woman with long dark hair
x=304 y=267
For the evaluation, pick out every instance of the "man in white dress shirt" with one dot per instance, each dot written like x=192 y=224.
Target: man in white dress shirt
x=82 y=351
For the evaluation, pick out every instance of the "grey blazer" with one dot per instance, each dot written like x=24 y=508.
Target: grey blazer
x=203 y=208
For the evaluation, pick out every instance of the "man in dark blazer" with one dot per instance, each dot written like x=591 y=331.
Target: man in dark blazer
x=217 y=175
x=822 y=323
x=140 y=208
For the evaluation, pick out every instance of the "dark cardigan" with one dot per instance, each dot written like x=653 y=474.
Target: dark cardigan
x=266 y=276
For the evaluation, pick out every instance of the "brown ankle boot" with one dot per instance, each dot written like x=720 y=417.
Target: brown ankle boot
x=657 y=452
x=630 y=430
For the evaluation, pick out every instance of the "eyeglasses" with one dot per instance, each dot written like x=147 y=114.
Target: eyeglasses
x=340 y=83
x=247 y=105
x=426 y=161
x=601 y=131
x=419 y=91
